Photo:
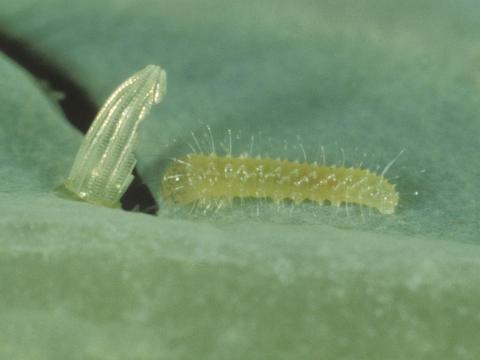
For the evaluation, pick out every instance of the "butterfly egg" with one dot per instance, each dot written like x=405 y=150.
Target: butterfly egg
x=102 y=170
x=205 y=179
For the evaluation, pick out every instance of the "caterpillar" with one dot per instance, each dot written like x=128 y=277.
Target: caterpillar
x=204 y=180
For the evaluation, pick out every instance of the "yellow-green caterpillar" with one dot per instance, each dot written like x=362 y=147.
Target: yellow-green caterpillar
x=205 y=179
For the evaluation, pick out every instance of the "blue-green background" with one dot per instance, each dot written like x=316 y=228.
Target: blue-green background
x=363 y=77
